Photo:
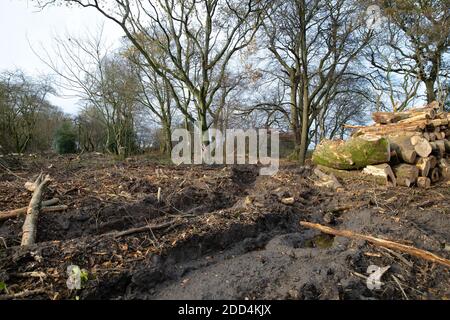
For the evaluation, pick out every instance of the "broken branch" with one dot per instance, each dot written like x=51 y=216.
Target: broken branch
x=379 y=242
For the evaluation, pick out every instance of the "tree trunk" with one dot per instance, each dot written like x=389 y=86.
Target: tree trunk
x=305 y=125
x=167 y=137
x=295 y=126
x=356 y=153
x=429 y=85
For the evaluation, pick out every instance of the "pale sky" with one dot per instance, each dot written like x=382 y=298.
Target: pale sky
x=22 y=24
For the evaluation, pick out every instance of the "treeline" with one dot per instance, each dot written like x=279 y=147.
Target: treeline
x=30 y=123
x=27 y=120
x=306 y=67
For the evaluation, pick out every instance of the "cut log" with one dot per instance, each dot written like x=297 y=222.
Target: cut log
x=350 y=174
x=356 y=153
x=438 y=148
x=404 y=117
x=424 y=165
x=403 y=147
x=423 y=182
x=441 y=146
x=422 y=116
x=423 y=254
x=18 y=212
x=30 y=225
x=395 y=159
x=416 y=138
x=431 y=136
x=382 y=173
x=422 y=147
x=434 y=175
x=389 y=128
x=406 y=174
x=439 y=122
x=388 y=117
x=433 y=161
x=327 y=180
x=444 y=169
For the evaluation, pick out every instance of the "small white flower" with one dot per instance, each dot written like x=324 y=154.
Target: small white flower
x=74 y=277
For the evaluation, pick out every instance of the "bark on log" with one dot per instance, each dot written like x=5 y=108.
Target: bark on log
x=423 y=254
x=406 y=174
x=434 y=175
x=356 y=153
x=444 y=169
x=388 y=117
x=395 y=159
x=422 y=116
x=423 y=182
x=433 y=162
x=403 y=117
x=438 y=147
x=30 y=225
x=382 y=174
x=441 y=145
x=388 y=128
x=403 y=147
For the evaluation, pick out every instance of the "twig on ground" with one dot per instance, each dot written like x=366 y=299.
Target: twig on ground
x=22 y=294
x=117 y=234
x=423 y=254
x=400 y=286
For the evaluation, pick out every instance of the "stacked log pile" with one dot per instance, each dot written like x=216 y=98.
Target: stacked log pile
x=417 y=151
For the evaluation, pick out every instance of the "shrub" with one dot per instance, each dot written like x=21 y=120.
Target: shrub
x=65 y=139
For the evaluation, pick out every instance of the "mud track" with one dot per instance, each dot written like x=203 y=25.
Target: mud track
x=232 y=237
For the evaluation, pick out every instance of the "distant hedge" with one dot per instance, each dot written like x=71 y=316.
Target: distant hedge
x=65 y=139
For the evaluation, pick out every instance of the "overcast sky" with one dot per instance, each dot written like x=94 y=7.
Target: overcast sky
x=22 y=24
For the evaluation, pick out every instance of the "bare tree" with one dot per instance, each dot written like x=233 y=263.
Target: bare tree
x=24 y=106
x=417 y=36
x=200 y=38
x=314 y=42
x=102 y=79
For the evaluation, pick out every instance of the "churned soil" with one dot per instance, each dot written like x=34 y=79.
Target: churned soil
x=216 y=232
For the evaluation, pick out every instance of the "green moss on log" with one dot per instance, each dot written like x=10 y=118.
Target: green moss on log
x=355 y=153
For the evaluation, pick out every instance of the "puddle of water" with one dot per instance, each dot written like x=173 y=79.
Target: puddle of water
x=322 y=241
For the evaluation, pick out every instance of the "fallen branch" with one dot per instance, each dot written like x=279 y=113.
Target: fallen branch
x=380 y=242
x=30 y=225
x=18 y=212
x=146 y=228
x=54 y=208
x=22 y=294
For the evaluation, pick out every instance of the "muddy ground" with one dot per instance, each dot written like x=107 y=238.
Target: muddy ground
x=223 y=233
